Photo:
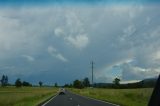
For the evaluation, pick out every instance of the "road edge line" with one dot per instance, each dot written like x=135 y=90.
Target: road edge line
x=48 y=100
x=96 y=99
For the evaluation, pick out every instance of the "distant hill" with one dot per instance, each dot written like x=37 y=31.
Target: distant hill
x=103 y=85
x=150 y=82
x=146 y=83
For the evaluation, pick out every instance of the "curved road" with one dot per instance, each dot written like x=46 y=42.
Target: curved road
x=70 y=99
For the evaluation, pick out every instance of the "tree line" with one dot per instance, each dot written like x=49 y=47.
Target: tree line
x=86 y=83
x=18 y=83
x=79 y=83
x=114 y=85
x=83 y=83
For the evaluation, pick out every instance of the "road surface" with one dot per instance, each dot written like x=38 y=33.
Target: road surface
x=70 y=99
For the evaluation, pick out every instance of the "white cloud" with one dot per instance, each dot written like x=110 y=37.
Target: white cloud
x=104 y=79
x=73 y=32
x=156 y=56
x=60 y=56
x=53 y=52
x=130 y=72
x=59 y=32
x=130 y=81
x=148 y=20
x=29 y=58
x=106 y=33
x=155 y=32
x=129 y=30
x=51 y=49
x=80 y=41
x=74 y=23
x=132 y=11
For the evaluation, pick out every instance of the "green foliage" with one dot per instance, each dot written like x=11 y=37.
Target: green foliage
x=68 y=85
x=116 y=82
x=40 y=83
x=4 y=80
x=56 y=85
x=18 y=83
x=78 y=84
x=86 y=82
x=26 y=83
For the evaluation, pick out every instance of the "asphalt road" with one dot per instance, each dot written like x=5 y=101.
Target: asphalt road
x=70 y=99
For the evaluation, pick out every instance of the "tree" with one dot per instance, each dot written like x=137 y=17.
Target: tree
x=78 y=84
x=18 y=83
x=116 y=82
x=4 y=80
x=40 y=83
x=68 y=85
x=26 y=83
x=86 y=82
x=56 y=85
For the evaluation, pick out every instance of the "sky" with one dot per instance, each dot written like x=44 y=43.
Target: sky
x=55 y=41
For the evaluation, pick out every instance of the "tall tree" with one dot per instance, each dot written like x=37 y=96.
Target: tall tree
x=86 y=82
x=26 y=83
x=40 y=83
x=56 y=85
x=18 y=83
x=116 y=81
x=78 y=84
x=4 y=80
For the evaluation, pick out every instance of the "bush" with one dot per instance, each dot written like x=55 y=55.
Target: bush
x=18 y=83
x=78 y=84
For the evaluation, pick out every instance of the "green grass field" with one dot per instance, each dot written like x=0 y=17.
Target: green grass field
x=25 y=96
x=123 y=97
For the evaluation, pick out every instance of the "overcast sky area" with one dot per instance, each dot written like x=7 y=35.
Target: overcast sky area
x=53 y=41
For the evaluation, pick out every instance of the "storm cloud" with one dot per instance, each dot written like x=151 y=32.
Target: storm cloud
x=57 y=43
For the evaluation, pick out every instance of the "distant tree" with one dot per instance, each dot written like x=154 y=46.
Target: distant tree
x=70 y=85
x=18 y=83
x=40 y=83
x=26 y=83
x=116 y=82
x=56 y=85
x=86 y=82
x=78 y=84
x=66 y=85
x=4 y=80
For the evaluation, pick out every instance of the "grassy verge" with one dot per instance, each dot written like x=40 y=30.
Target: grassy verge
x=25 y=96
x=123 y=97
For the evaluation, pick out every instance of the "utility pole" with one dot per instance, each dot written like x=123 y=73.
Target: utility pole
x=92 y=63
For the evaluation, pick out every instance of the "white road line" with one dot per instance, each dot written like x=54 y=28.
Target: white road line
x=50 y=100
x=96 y=99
